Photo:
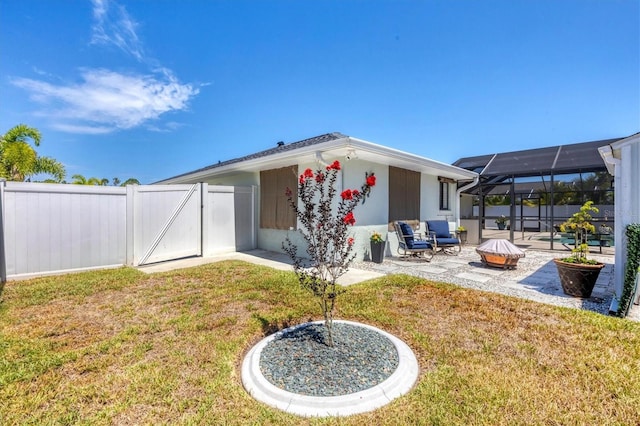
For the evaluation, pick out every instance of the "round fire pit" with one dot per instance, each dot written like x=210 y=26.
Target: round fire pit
x=499 y=253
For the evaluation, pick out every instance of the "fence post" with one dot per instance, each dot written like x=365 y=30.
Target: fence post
x=3 y=260
x=129 y=225
x=204 y=219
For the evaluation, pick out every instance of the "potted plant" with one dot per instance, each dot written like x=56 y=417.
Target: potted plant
x=502 y=222
x=461 y=232
x=377 y=247
x=578 y=274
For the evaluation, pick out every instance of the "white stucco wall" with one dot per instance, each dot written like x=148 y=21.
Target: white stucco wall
x=627 y=203
x=371 y=216
x=237 y=179
x=430 y=199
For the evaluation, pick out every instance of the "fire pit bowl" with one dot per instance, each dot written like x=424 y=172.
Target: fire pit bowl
x=499 y=253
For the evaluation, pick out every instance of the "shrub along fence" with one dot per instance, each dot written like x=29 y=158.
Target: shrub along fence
x=52 y=228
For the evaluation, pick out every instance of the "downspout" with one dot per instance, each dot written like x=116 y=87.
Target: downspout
x=459 y=191
x=320 y=160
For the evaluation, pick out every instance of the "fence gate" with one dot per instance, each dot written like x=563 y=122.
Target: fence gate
x=165 y=221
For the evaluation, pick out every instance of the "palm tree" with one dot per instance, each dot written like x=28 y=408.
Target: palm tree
x=19 y=161
x=130 y=181
x=79 y=180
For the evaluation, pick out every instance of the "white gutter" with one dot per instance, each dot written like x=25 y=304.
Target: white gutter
x=606 y=152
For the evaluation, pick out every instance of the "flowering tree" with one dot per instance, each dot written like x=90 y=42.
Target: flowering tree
x=324 y=228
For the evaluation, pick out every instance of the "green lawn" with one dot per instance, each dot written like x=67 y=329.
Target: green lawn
x=121 y=347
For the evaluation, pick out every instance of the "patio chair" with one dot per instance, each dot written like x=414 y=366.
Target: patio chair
x=410 y=244
x=442 y=239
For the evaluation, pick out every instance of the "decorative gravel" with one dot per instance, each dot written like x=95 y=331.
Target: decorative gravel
x=300 y=362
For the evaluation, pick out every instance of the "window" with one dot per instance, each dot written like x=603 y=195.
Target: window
x=404 y=194
x=444 y=193
x=275 y=211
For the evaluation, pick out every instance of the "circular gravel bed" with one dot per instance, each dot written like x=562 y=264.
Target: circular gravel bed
x=295 y=371
x=300 y=361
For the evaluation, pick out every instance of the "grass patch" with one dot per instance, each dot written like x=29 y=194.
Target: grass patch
x=121 y=347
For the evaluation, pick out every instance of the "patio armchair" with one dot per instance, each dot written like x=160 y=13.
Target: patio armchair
x=410 y=244
x=441 y=238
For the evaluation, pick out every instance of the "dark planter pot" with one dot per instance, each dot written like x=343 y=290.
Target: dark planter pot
x=578 y=279
x=462 y=236
x=501 y=225
x=377 y=252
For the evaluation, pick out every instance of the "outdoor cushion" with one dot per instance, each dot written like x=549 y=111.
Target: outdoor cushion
x=447 y=241
x=419 y=245
x=440 y=227
x=407 y=232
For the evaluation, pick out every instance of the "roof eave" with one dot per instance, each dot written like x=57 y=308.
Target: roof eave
x=327 y=147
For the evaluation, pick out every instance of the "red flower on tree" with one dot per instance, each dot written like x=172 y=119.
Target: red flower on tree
x=349 y=219
x=371 y=180
x=320 y=177
x=347 y=194
x=308 y=174
x=334 y=166
x=350 y=241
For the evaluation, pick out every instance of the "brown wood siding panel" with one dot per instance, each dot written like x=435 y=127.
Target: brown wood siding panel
x=404 y=194
x=268 y=185
x=285 y=216
x=275 y=212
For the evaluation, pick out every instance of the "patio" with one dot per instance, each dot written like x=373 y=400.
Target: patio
x=535 y=278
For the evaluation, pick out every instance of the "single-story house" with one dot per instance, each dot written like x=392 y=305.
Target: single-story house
x=408 y=186
x=623 y=162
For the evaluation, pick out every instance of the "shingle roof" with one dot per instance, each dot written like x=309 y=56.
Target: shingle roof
x=280 y=148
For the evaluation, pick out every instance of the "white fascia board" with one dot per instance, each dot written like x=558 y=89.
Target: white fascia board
x=626 y=141
x=606 y=152
x=447 y=169
x=296 y=155
x=611 y=153
x=282 y=158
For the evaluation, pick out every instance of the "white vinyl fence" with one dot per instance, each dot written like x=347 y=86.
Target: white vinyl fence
x=46 y=228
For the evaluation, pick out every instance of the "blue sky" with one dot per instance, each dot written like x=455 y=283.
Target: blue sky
x=151 y=89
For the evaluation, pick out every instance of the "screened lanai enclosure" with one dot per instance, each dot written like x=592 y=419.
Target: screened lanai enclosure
x=524 y=196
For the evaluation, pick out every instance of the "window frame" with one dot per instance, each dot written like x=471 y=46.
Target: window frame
x=444 y=196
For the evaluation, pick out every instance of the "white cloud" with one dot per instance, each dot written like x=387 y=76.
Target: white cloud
x=113 y=26
x=105 y=100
